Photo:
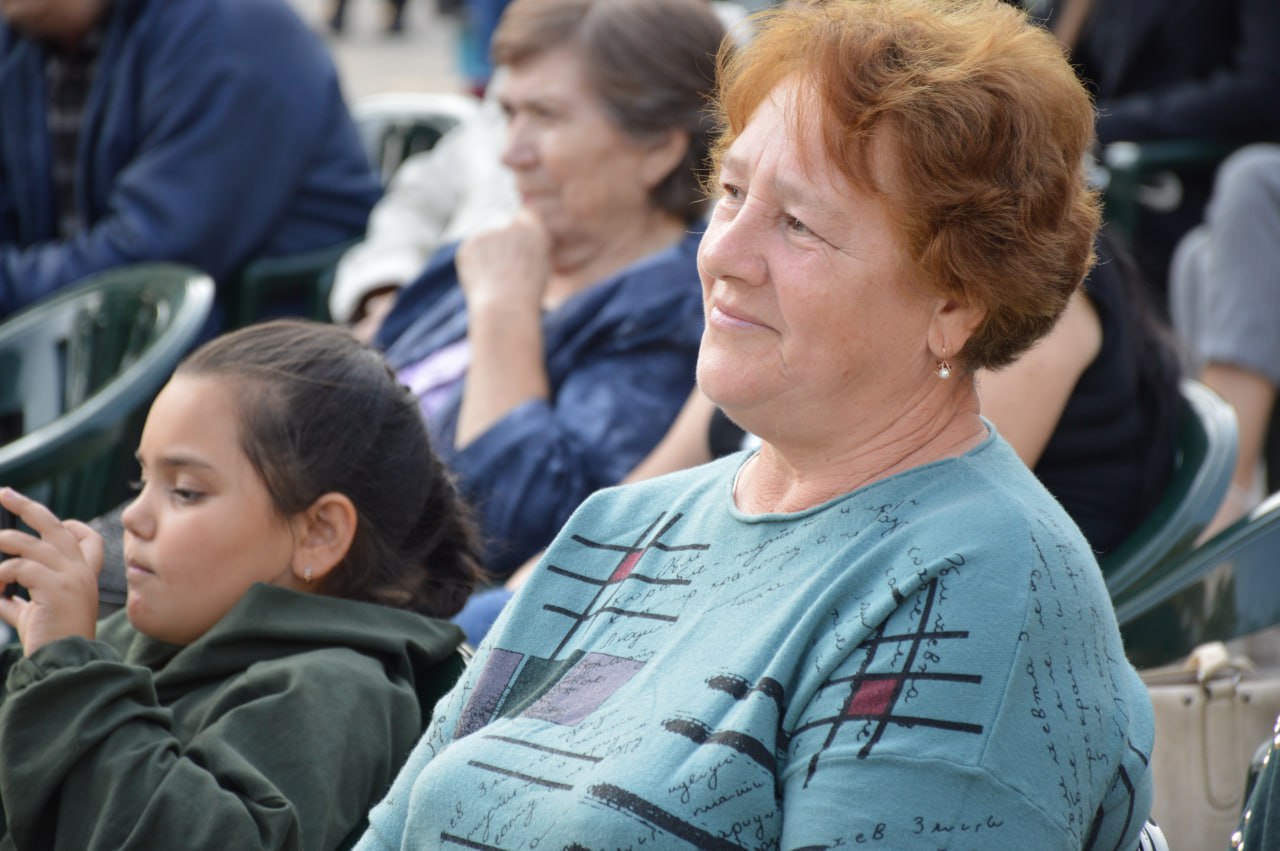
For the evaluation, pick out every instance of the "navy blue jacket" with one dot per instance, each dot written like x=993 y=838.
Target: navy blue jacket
x=620 y=359
x=215 y=132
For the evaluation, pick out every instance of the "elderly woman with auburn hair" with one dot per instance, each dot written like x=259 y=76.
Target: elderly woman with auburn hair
x=879 y=627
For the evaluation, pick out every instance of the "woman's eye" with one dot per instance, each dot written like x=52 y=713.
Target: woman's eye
x=796 y=226
x=730 y=191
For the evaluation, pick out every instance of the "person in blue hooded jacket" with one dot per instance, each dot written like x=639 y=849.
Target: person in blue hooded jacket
x=551 y=353
x=206 y=132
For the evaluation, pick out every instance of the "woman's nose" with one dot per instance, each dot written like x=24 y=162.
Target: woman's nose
x=518 y=150
x=731 y=247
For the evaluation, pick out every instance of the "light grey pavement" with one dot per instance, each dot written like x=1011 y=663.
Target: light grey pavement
x=371 y=62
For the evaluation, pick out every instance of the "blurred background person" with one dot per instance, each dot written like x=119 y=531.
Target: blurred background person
x=453 y=190
x=1224 y=293
x=550 y=354
x=1171 y=70
x=209 y=132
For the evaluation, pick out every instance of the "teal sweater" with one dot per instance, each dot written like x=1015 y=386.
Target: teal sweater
x=275 y=730
x=927 y=662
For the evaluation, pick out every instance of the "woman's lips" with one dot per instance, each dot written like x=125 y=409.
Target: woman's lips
x=730 y=318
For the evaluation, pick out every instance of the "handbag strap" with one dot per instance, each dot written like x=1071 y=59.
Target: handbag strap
x=1206 y=664
x=1212 y=660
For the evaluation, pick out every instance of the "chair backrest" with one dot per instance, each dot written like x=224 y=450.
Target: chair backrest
x=77 y=372
x=396 y=125
x=293 y=285
x=1204 y=459
x=1223 y=589
x=1139 y=174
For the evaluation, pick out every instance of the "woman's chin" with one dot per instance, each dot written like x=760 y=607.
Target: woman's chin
x=729 y=383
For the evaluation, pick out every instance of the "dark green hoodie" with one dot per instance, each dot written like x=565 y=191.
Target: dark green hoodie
x=279 y=728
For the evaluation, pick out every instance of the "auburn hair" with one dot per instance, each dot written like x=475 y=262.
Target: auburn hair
x=987 y=128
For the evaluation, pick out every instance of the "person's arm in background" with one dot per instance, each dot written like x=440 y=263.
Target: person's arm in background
x=1025 y=400
x=1237 y=100
x=684 y=445
x=228 y=106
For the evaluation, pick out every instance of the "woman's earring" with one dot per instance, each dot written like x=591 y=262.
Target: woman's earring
x=943 y=369
x=306 y=574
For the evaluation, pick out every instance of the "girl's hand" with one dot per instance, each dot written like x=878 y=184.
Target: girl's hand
x=59 y=569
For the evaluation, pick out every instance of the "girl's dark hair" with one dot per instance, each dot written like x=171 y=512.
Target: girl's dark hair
x=321 y=413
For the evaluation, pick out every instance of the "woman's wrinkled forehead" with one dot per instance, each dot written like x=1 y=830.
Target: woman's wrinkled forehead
x=864 y=159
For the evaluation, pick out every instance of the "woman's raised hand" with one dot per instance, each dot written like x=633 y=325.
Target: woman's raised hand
x=508 y=265
x=58 y=566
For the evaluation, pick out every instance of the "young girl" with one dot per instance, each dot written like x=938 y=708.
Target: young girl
x=292 y=544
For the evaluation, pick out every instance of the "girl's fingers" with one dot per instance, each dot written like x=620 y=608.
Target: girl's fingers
x=89 y=541
x=16 y=543
x=41 y=520
x=11 y=610
x=26 y=572
x=26 y=546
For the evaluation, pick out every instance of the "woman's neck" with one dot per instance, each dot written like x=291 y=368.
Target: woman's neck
x=795 y=473
x=578 y=263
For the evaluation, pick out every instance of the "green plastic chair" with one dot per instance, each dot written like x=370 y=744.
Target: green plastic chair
x=396 y=125
x=1147 y=173
x=393 y=127
x=297 y=284
x=77 y=372
x=1224 y=589
x=1203 y=464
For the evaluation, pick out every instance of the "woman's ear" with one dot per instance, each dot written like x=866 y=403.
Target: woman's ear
x=663 y=155
x=324 y=533
x=951 y=326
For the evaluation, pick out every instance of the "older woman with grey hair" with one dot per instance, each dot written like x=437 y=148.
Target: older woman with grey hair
x=551 y=353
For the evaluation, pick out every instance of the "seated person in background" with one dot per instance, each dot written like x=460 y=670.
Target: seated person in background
x=880 y=624
x=292 y=545
x=443 y=195
x=207 y=132
x=552 y=353
x=1224 y=293
x=1174 y=69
